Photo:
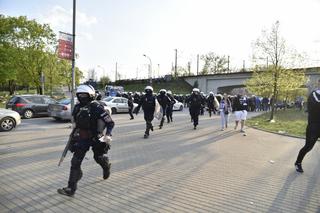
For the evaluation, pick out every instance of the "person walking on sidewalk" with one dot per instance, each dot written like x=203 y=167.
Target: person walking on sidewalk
x=313 y=127
x=240 y=107
x=225 y=110
x=90 y=122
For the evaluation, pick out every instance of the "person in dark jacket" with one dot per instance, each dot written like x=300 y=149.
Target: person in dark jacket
x=211 y=103
x=313 y=127
x=90 y=122
x=148 y=104
x=164 y=103
x=195 y=105
x=130 y=104
x=170 y=106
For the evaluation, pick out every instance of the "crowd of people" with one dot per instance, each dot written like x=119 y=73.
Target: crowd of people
x=92 y=124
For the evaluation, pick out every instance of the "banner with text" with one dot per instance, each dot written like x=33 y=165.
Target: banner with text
x=65 y=46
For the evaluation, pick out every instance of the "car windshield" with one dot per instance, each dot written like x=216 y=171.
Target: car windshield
x=65 y=101
x=108 y=99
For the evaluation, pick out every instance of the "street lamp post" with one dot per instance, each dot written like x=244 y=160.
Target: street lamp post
x=150 y=68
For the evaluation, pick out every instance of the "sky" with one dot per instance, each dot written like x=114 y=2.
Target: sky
x=110 y=32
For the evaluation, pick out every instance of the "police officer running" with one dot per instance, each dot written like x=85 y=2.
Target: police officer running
x=148 y=103
x=90 y=121
x=130 y=105
x=195 y=105
x=170 y=106
x=212 y=103
x=164 y=103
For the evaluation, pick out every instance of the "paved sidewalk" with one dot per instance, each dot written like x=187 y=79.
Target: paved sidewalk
x=177 y=169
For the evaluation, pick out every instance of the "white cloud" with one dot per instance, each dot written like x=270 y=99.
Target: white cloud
x=60 y=19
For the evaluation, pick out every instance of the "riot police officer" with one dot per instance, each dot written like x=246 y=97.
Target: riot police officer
x=212 y=103
x=130 y=104
x=164 y=103
x=195 y=105
x=148 y=103
x=90 y=121
x=170 y=106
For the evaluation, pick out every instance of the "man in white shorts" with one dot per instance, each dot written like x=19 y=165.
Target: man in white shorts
x=240 y=107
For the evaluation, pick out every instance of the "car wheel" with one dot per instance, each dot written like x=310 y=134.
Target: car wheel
x=113 y=111
x=181 y=108
x=7 y=124
x=28 y=114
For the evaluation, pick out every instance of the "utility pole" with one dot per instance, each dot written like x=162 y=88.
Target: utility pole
x=73 y=86
x=175 y=65
x=116 y=72
x=189 y=68
x=198 y=64
x=244 y=66
x=158 y=70
x=228 y=63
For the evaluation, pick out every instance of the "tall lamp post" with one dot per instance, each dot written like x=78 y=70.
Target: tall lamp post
x=150 y=68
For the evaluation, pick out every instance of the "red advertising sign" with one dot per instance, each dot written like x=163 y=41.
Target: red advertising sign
x=65 y=46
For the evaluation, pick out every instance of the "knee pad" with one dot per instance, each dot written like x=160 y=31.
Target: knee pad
x=76 y=163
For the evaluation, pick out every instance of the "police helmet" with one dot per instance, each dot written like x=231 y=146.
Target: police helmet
x=169 y=92
x=163 y=91
x=195 y=90
x=86 y=89
x=148 y=89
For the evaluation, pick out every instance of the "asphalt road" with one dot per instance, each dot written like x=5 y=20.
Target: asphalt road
x=177 y=169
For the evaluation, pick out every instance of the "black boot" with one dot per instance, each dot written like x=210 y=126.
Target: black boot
x=66 y=191
x=298 y=167
x=146 y=136
x=106 y=172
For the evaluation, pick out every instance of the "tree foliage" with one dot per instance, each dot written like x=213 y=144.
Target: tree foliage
x=28 y=49
x=214 y=63
x=277 y=80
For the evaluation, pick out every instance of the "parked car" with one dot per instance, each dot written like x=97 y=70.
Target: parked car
x=9 y=119
x=118 y=104
x=30 y=105
x=62 y=109
x=178 y=106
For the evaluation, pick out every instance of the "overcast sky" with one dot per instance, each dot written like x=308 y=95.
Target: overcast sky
x=110 y=31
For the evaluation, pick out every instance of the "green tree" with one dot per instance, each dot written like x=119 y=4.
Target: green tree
x=214 y=63
x=104 y=81
x=26 y=42
x=278 y=79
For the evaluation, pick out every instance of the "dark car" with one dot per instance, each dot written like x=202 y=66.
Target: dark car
x=30 y=105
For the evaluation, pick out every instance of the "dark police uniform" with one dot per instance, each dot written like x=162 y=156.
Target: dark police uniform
x=88 y=119
x=195 y=101
x=148 y=103
x=164 y=102
x=170 y=108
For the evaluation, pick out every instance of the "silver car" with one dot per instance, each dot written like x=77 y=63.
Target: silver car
x=62 y=110
x=118 y=104
x=9 y=119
